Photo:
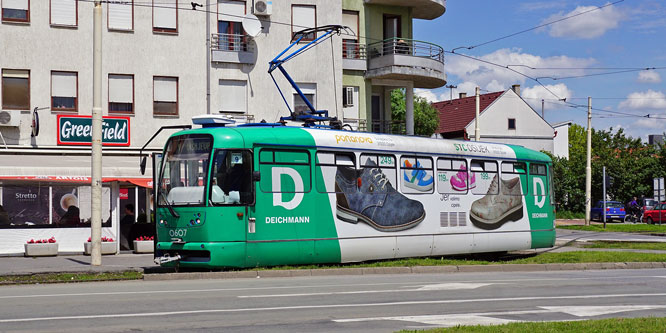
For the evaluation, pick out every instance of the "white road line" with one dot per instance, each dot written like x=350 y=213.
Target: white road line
x=429 y=287
x=325 y=306
x=590 y=311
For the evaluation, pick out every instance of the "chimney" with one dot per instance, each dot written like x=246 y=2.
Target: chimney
x=516 y=89
x=462 y=95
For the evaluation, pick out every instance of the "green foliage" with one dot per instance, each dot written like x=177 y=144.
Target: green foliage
x=568 y=215
x=626 y=245
x=640 y=227
x=426 y=119
x=69 y=277
x=631 y=163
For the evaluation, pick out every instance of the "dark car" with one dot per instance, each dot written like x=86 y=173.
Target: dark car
x=614 y=211
x=652 y=216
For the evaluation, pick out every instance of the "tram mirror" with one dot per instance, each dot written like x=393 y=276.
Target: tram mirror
x=256 y=176
x=142 y=165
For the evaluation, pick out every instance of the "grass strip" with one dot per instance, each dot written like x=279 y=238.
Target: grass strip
x=643 y=228
x=625 y=245
x=69 y=277
x=616 y=325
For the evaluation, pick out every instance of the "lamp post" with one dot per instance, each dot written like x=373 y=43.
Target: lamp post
x=96 y=172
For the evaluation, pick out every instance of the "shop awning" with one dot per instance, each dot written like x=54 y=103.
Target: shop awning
x=143 y=182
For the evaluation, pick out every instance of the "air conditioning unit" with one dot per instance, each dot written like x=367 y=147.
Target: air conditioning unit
x=10 y=118
x=263 y=7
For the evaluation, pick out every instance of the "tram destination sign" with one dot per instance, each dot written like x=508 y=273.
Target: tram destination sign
x=77 y=130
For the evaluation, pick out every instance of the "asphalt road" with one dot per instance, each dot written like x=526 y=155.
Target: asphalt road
x=371 y=303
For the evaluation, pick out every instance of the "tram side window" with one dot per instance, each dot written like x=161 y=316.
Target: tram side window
x=539 y=179
x=416 y=174
x=329 y=165
x=385 y=167
x=514 y=177
x=284 y=171
x=231 y=181
x=452 y=176
x=484 y=179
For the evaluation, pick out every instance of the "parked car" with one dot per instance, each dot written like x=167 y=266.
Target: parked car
x=647 y=203
x=652 y=216
x=614 y=211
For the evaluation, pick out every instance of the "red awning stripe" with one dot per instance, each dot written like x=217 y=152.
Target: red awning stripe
x=143 y=182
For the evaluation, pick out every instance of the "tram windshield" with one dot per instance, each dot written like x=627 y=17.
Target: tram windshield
x=185 y=170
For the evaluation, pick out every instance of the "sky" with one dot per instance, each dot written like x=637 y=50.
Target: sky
x=627 y=36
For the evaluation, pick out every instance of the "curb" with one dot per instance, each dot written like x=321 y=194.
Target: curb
x=403 y=270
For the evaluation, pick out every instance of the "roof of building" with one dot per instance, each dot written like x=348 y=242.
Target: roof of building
x=563 y=123
x=455 y=114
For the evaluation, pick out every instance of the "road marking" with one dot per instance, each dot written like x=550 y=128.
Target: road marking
x=429 y=287
x=324 y=306
x=590 y=311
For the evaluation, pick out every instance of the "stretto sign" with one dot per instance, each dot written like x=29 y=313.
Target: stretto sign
x=77 y=130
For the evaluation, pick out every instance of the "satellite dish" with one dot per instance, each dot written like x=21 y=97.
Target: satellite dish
x=251 y=25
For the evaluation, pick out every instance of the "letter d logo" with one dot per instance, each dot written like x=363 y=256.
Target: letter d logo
x=277 y=173
x=539 y=199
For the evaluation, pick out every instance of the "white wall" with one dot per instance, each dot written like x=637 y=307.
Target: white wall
x=561 y=141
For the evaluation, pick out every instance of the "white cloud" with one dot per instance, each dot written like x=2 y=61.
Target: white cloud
x=427 y=94
x=534 y=94
x=650 y=124
x=585 y=26
x=493 y=78
x=649 y=77
x=645 y=100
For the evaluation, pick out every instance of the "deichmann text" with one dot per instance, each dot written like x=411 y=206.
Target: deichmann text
x=287 y=219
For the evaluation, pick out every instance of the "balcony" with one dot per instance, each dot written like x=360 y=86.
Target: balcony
x=377 y=126
x=422 y=9
x=354 y=56
x=232 y=48
x=407 y=60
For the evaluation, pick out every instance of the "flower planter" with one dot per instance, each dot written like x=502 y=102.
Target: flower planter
x=144 y=246
x=41 y=249
x=107 y=247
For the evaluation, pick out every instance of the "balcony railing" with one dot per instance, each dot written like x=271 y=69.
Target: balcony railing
x=377 y=126
x=353 y=50
x=407 y=47
x=231 y=43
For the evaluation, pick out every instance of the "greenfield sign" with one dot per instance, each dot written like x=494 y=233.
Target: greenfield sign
x=77 y=130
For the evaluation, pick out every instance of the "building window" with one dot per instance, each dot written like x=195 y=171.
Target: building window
x=15 y=89
x=231 y=36
x=233 y=96
x=165 y=95
x=309 y=90
x=347 y=97
x=64 y=91
x=350 y=45
x=512 y=123
x=16 y=10
x=64 y=12
x=165 y=16
x=303 y=17
x=121 y=16
x=121 y=93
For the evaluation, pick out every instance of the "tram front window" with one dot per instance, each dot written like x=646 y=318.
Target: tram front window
x=185 y=170
x=231 y=179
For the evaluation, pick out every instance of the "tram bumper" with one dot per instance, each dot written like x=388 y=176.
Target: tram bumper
x=201 y=254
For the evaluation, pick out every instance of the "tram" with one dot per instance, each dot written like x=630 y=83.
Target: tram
x=268 y=194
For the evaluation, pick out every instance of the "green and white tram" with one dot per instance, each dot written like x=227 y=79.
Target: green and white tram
x=276 y=195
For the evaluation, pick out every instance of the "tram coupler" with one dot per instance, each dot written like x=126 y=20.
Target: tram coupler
x=167 y=258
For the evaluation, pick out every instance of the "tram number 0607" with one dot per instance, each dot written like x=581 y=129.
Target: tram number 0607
x=178 y=233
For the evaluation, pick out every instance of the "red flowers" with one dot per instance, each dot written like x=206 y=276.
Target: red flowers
x=146 y=238
x=42 y=241
x=104 y=239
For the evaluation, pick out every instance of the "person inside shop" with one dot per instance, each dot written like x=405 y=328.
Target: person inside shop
x=71 y=217
x=126 y=226
x=4 y=216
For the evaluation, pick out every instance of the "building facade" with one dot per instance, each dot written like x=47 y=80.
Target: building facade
x=163 y=63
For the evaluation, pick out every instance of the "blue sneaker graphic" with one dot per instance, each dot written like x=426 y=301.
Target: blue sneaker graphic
x=417 y=178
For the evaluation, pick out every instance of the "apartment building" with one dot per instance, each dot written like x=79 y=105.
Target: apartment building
x=165 y=61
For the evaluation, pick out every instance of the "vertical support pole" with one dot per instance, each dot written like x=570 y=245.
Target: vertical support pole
x=604 y=178
x=96 y=172
x=409 y=108
x=542 y=114
x=477 y=129
x=588 y=166
x=208 y=50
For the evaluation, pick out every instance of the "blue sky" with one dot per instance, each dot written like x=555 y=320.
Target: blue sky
x=629 y=34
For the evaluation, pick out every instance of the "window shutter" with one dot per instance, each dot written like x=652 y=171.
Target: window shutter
x=15 y=4
x=63 y=84
x=121 y=88
x=165 y=14
x=303 y=17
x=63 y=12
x=120 y=16
x=233 y=96
x=351 y=20
x=16 y=73
x=166 y=89
x=232 y=11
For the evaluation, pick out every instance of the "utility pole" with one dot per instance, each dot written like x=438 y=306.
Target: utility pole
x=604 y=187
x=477 y=130
x=451 y=87
x=96 y=144
x=208 y=47
x=588 y=166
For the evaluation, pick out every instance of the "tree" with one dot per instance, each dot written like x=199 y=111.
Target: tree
x=426 y=119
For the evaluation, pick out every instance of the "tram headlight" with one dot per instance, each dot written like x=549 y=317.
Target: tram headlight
x=198 y=221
